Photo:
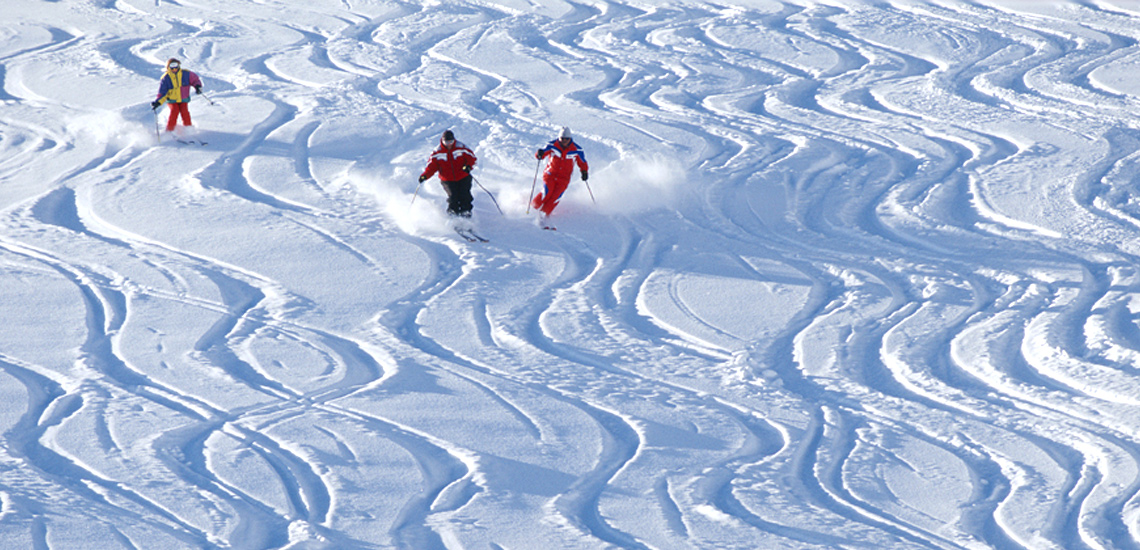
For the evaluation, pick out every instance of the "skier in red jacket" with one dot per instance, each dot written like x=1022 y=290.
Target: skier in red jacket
x=453 y=162
x=174 y=90
x=564 y=154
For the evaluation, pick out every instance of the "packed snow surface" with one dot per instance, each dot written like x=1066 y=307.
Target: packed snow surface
x=846 y=275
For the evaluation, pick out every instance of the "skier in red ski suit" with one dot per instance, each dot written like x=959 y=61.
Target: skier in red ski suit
x=564 y=154
x=174 y=90
x=453 y=162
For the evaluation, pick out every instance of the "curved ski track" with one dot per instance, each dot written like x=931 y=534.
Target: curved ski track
x=886 y=298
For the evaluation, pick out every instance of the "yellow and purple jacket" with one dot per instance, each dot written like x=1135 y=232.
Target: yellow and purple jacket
x=175 y=86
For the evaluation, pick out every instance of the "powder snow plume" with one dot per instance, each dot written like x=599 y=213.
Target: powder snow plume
x=635 y=184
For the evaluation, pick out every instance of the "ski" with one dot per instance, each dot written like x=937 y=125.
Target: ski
x=470 y=235
x=550 y=228
x=190 y=142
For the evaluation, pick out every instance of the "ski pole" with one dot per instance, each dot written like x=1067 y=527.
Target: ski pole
x=203 y=94
x=532 y=184
x=157 y=136
x=489 y=194
x=421 y=182
x=590 y=190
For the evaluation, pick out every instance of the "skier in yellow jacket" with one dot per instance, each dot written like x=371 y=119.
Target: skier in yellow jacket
x=174 y=90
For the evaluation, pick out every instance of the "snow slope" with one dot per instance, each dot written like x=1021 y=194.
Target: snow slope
x=858 y=275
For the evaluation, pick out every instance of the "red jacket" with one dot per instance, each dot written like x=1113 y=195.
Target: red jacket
x=562 y=159
x=449 y=162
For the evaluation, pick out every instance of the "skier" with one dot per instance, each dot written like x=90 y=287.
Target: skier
x=564 y=154
x=174 y=90
x=453 y=161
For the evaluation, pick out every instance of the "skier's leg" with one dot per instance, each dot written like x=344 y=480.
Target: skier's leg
x=554 y=191
x=449 y=188
x=542 y=199
x=172 y=121
x=548 y=208
x=185 y=114
x=458 y=197
x=463 y=198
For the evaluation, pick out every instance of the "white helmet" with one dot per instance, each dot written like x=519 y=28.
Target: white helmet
x=565 y=133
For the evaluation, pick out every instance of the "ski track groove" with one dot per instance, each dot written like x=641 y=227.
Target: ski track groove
x=580 y=503
x=108 y=312
x=105 y=319
x=565 y=354
x=22 y=441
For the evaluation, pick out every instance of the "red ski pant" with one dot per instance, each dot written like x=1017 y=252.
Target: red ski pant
x=554 y=188
x=177 y=109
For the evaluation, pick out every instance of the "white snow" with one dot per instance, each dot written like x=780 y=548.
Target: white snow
x=846 y=275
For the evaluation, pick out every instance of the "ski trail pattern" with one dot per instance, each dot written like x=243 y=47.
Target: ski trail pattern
x=858 y=275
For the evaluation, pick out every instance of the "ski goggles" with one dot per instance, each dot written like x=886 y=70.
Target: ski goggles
x=173 y=66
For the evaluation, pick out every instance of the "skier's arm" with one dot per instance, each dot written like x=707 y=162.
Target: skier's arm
x=430 y=171
x=195 y=82
x=164 y=86
x=583 y=166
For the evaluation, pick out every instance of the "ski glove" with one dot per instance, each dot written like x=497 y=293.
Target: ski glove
x=585 y=175
x=197 y=89
x=540 y=154
x=154 y=105
x=466 y=168
x=422 y=178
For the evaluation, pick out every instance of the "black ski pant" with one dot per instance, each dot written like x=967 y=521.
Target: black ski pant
x=459 y=197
